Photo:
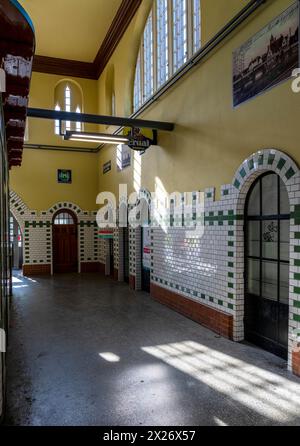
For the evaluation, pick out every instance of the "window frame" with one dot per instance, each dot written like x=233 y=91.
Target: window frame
x=192 y=49
x=71 y=219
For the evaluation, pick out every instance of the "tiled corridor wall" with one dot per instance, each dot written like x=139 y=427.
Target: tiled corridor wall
x=198 y=274
x=202 y=276
x=37 y=237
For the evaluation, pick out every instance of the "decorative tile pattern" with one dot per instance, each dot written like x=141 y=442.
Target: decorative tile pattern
x=37 y=233
x=206 y=269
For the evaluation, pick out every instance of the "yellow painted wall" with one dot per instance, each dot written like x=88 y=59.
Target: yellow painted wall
x=35 y=181
x=211 y=138
x=42 y=96
x=210 y=141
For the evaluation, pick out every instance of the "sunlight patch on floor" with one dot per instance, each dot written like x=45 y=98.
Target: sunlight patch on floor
x=109 y=357
x=267 y=393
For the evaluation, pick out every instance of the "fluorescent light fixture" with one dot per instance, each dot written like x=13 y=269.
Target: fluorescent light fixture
x=100 y=138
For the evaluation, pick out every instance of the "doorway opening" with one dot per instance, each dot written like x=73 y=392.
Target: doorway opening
x=146 y=258
x=267 y=242
x=16 y=240
x=126 y=253
x=65 y=242
x=111 y=257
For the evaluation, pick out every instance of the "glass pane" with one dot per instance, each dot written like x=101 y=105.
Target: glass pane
x=254 y=238
x=148 y=59
x=270 y=239
x=197 y=25
x=179 y=33
x=269 y=280
x=285 y=240
x=253 y=277
x=284 y=199
x=162 y=42
x=270 y=195
x=254 y=201
x=284 y=283
x=64 y=219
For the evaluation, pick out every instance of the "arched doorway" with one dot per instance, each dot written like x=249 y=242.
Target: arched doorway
x=65 y=245
x=267 y=231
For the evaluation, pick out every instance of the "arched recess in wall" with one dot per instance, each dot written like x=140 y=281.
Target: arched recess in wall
x=110 y=96
x=68 y=96
x=255 y=167
x=18 y=209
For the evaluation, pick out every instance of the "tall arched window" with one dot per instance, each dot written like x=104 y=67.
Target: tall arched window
x=171 y=36
x=68 y=97
x=68 y=105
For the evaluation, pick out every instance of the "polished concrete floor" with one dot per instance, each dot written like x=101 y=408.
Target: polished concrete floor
x=84 y=350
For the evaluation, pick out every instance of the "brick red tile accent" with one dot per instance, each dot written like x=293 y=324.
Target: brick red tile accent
x=36 y=270
x=92 y=267
x=211 y=318
x=132 y=282
x=296 y=363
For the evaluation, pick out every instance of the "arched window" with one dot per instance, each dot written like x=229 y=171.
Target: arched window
x=68 y=97
x=64 y=218
x=171 y=36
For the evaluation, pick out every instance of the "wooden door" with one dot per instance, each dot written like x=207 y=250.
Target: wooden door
x=65 y=254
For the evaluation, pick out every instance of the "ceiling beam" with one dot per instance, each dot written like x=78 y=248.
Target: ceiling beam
x=115 y=33
x=92 y=70
x=98 y=119
x=64 y=67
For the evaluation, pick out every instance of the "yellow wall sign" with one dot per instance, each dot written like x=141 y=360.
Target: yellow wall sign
x=139 y=138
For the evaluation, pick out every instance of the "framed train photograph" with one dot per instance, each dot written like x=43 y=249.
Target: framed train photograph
x=268 y=58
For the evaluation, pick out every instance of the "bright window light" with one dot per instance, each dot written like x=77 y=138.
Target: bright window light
x=68 y=105
x=78 y=124
x=57 y=126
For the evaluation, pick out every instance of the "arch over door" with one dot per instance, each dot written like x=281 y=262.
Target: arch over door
x=267 y=229
x=65 y=245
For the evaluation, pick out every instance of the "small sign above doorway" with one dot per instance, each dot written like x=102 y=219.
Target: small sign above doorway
x=64 y=176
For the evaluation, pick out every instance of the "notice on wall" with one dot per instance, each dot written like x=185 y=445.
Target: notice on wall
x=64 y=176
x=268 y=58
x=106 y=167
x=146 y=248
